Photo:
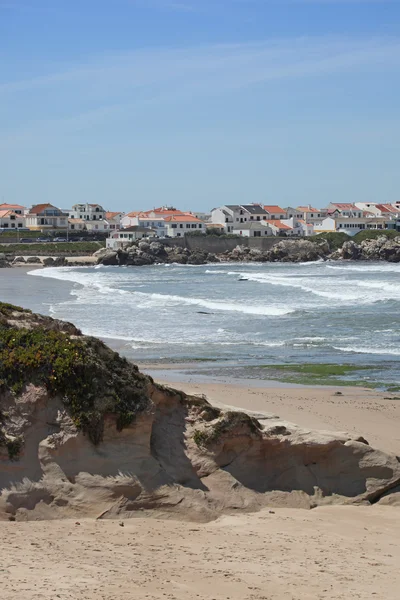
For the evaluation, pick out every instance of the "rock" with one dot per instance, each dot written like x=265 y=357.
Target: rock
x=133 y=444
x=48 y=261
x=295 y=251
x=18 y=259
x=34 y=260
x=350 y=250
x=144 y=246
x=109 y=258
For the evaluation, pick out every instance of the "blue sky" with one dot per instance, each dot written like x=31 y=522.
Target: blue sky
x=196 y=103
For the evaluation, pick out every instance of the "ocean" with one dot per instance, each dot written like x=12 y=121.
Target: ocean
x=240 y=313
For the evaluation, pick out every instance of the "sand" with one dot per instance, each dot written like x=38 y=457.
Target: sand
x=357 y=410
x=333 y=552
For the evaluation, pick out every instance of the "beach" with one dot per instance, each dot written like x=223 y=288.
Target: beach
x=335 y=553
x=330 y=552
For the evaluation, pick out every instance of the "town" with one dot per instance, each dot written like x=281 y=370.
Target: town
x=248 y=220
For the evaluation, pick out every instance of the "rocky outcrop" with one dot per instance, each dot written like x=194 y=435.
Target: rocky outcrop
x=380 y=248
x=84 y=433
x=143 y=253
x=4 y=263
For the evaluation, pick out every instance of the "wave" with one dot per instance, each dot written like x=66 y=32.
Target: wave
x=374 y=268
x=91 y=280
x=369 y=350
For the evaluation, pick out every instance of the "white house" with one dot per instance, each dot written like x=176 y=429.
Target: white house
x=253 y=229
x=230 y=215
x=119 y=239
x=275 y=212
x=114 y=219
x=345 y=209
x=88 y=212
x=11 y=220
x=46 y=217
x=179 y=225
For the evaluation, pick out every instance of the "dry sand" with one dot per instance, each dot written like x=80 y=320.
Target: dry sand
x=357 y=410
x=334 y=552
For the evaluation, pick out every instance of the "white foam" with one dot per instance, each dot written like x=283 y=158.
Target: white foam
x=369 y=350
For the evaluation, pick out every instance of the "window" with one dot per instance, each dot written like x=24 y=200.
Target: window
x=188 y=226
x=12 y=217
x=178 y=235
x=173 y=225
x=194 y=226
x=181 y=226
x=200 y=225
x=19 y=224
x=258 y=218
x=94 y=217
x=251 y=218
x=5 y=225
x=237 y=219
x=257 y=234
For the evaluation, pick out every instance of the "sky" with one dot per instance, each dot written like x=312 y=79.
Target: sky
x=134 y=104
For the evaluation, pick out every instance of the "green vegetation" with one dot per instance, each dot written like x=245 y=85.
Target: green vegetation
x=321 y=374
x=91 y=379
x=371 y=234
x=225 y=424
x=53 y=248
x=334 y=239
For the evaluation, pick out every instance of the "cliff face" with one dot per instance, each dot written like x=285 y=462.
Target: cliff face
x=83 y=432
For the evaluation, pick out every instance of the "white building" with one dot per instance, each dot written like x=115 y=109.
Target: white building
x=11 y=220
x=253 y=229
x=345 y=209
x=179 y=225
x=88 y=212
x=46 y=217
x=275 y=212
x=114 y=219
x=230 y=215
x=119 y=239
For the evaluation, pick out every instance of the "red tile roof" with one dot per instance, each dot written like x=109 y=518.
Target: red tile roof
x=345 y=206
x=38 y=208
x=6 y=206
x=111 y=215
x=278 y=224
x=387 y=208
x=187 y=218
x=308 y=209
x=8 y=213
x=273 y=208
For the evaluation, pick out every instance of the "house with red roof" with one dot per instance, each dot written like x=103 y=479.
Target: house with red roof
x=46 y=217
x=178 y=225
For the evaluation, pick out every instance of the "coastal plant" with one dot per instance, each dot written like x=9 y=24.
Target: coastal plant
x=91 y=379
x=229 y=421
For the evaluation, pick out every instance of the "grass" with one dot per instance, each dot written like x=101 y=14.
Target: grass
x=91 y=379
x=52 y=248
x=335 y=239
x=371 y=234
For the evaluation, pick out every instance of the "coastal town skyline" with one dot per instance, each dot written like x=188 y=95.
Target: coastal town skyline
x=199 y=103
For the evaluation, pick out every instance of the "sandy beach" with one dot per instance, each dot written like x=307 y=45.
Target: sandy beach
x=336 y=553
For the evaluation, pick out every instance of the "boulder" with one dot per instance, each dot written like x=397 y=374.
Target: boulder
x=350 y=251
x=18 y=259
x=108 y=258
x=33 y=260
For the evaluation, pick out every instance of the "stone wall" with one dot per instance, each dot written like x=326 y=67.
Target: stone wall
x=218 y=244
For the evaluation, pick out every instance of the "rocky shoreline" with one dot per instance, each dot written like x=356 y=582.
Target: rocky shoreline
x=142 y=253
